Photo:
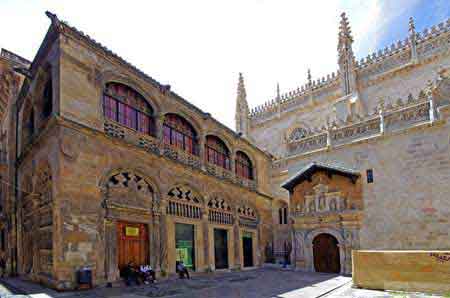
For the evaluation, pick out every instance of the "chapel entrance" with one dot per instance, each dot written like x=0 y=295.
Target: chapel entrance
x=220 y=248
x=133 y=244
x=247 y=243
x=326 y=254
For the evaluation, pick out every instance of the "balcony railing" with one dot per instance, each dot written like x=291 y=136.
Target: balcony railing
x=155 y=146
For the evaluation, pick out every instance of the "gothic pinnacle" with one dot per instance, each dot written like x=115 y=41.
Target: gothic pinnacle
x=278 y=91
x=345 y=32
x=309 y=77
x=412 y=27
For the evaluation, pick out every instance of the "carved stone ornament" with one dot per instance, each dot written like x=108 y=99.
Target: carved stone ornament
x=70 y=145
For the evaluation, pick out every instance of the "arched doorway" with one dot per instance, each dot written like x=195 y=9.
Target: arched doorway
x=326 y=254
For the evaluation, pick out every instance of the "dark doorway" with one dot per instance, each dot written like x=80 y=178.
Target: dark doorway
x=326 y=254
x=247 y=244
x=184 y=244
x=133 y=244
x=220 y=248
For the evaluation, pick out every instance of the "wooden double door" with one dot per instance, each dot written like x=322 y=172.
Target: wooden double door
x=326 y=254
x=133 y=243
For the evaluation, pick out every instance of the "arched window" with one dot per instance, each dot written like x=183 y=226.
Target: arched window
x=243 y=166
x=216 y=152
x=127 y=107
x=180 y=133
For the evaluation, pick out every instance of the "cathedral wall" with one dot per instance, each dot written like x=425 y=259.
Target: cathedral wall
x=406 y=207
x=399 y=84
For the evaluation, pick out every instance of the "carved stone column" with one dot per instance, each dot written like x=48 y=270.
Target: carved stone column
x=237 y=243
x=159 y=122
x=382 y=125
x=205 y=226
x=201 y=150
x=232 y=162
x=111 y=265
x=162 y=253
x=156 y=239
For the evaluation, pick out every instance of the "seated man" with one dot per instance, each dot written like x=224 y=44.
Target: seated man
x=147 y=274
x=130 y=274
x=182 y=270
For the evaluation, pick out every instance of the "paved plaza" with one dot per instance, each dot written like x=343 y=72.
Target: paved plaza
x=261 y=283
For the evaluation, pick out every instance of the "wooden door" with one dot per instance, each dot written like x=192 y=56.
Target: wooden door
x=133 y=243
x=220 y=248
x=326 y=254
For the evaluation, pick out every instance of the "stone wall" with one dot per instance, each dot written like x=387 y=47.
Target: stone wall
x=408 y=271
x=84 y=169
x=411 y=169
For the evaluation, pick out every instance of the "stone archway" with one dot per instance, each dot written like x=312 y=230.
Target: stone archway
x=309 y=252
x=326 y=254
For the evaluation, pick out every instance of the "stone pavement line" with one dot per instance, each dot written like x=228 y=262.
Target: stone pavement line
x=317 y=290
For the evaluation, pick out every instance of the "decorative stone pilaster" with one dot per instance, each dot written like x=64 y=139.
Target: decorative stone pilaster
x=201 y=150
x=205 y=227
x=328 y=136
x=159 y=122
x=156 y=239
x=233 y=162
x=162 y=258
x=237 y=244
x=382 y=125
x=431 y=101
x=111 y=263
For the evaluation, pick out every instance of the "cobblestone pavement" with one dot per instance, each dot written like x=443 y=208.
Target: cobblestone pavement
x=261 y=283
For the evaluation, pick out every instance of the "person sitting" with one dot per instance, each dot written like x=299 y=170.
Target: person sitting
x=182 y=270
x=130 y=274
x=147 y=274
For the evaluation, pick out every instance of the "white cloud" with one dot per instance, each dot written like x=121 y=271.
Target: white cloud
x=200 y=46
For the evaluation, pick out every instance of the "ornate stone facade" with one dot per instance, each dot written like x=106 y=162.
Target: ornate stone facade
x=86 y=168
x=385 y=117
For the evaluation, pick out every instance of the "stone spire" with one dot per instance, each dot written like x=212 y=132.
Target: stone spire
x=413 y=40
x=345 y=57
x=309 y=77
x=278 y=91
x=242 y=111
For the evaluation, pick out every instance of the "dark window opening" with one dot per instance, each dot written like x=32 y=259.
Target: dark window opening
x=3 y=240
x=369 y=174
x=283 y=216
x=47 y=99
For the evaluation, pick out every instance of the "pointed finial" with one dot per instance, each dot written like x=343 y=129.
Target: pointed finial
x=309 y=76
x=278 y=90
x=344 y=30
x=412 y=26
x=241 y=86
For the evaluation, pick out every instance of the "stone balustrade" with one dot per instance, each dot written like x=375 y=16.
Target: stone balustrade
x=157 y=147
x=398 y=118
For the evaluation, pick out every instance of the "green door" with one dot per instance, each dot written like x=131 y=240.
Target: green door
x=184 y=244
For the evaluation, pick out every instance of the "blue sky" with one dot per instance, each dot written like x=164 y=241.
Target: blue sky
x=200 y=46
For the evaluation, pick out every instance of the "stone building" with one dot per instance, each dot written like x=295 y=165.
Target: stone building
x=113 y=167
x=363 y=152
x=105 y=165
